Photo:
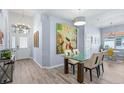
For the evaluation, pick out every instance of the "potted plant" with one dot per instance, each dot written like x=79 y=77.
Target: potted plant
x=6 y=54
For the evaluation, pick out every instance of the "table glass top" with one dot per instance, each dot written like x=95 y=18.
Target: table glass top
x=79 y=57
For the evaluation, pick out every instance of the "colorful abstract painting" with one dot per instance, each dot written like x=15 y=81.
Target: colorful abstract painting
x=66 y=37
x=36 y=39
x=1 y=38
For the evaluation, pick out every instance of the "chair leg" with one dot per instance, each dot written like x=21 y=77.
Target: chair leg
x=90 y=74
x=97 y=70
x=71 y=66
x=86 y=69
x=73 y=69
x=102 y=68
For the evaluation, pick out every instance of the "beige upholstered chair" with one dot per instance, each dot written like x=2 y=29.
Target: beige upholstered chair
x=71 y=61
x=67 y=52
x=91 y=64
x=76 y=51
x=101 y=57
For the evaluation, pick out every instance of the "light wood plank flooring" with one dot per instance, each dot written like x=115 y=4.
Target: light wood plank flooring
x=28 y=72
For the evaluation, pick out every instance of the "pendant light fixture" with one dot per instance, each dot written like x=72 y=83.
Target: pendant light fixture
x=79 y=21
x=21 y=27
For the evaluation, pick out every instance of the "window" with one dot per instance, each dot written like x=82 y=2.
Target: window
x=114 y=40
x=120 y=42
x=109 y=44
x=23 y=42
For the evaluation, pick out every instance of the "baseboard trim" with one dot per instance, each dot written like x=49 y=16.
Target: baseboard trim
x=37 y=63
x=23 y=59
x=45 y=67
x=51 y=67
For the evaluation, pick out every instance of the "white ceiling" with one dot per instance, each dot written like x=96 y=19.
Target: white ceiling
x=96 y=17
x=27 y=12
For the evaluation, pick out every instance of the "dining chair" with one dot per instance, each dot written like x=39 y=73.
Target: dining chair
x=111 y=54
x=72 y=62
x=76 y=51
x=91 y=64
x=101 y=61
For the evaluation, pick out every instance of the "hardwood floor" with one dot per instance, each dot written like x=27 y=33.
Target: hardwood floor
x=28 y=72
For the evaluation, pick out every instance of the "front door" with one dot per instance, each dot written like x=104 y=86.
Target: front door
x=21 y=42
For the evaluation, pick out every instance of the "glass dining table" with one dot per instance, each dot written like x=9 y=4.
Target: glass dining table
x=80 y=65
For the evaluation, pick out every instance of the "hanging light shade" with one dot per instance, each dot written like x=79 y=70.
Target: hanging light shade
x=21 y=28
x=79 y=21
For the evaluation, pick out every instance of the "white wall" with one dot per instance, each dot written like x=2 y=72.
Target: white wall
x=93 y=47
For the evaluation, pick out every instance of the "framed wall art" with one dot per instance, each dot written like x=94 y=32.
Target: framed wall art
x=1 y=38
x=66 y=37
x=36 y=39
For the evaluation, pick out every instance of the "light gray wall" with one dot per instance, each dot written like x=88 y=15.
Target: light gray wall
x=80 y=38
x=37 y=26
x=4 y=28
x=42 y=54
x=45 y=41
x=93 y=47
x=46 y=55
x=55 y=59
x=113 y=28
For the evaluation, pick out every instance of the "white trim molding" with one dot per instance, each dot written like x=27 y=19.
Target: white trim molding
x=51 y=67
x=37 y=63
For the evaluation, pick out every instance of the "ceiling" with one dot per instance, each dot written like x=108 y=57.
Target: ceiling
x=96 y=17
x=27 y=12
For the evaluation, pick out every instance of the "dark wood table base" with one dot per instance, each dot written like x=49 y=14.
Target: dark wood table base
x=80 y=70
x=66 y=70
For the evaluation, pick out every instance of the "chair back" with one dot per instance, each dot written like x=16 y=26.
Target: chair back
x=110 y=52
x=76 y=51
x=101 y=57
x=71 y=52
x=68 y=52
x=94 y=60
